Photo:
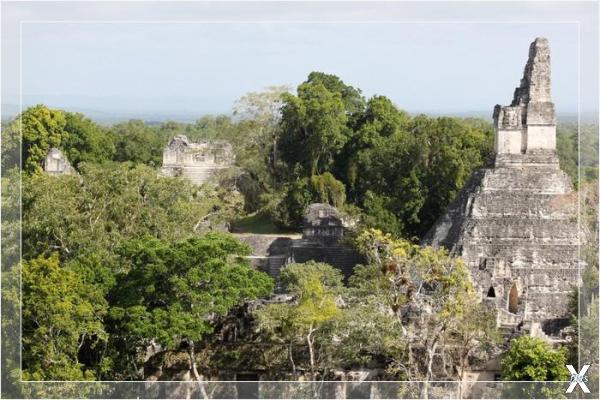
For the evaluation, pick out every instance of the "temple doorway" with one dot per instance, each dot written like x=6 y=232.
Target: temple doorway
x=513 y=299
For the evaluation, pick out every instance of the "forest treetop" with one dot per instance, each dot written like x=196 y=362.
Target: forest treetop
x=396 y=171
x=117 y=246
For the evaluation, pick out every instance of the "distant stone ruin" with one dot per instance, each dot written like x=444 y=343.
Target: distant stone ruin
x=197 y=161
x=57 y=164
x=515 y=224
x=528 y=125
x=323 y=230
x=322 y=223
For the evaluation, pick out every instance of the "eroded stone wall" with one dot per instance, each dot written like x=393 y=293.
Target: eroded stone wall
x=528 y=124
x=197 y=161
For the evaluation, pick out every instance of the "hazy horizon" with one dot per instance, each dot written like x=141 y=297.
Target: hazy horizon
x=175 y=69
x=159 y=64
x=10 y=111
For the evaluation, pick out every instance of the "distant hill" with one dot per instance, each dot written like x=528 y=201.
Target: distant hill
x=9 y=111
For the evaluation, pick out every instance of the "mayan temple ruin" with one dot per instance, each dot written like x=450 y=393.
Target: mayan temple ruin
x=197 y=161
x=515 y=223
x=56 y=163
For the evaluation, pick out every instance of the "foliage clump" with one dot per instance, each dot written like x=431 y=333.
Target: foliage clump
x=401 y=171
x=405 y=308
x=532 y=359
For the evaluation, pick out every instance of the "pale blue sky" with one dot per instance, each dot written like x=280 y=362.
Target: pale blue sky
x=181 y=71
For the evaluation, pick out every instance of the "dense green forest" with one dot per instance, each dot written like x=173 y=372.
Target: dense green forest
x=117 y=258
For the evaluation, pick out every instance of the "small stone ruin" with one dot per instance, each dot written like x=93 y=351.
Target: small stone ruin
x=57 y=164
x=322 y=241
x=197 y=161
x=323 y=223
x=323 y=229
x=515 y=223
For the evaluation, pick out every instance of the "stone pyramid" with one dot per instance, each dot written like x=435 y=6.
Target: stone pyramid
x=515 y=224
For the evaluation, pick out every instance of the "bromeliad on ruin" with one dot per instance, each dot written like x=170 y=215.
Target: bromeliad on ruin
x=515 y=223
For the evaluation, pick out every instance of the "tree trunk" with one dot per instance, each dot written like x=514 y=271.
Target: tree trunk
x=399 y=318
x=105 y=345
x=430 y=355
x=274 y=153
x=291 y=357
x=194 y=369
x=311 y=351
x=463 y=360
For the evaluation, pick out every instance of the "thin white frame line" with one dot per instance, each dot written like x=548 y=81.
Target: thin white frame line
x=21 y=23
x=325 y=1
x=20 y=224
x=281 y=21
x=579 y=261
x=209 y=382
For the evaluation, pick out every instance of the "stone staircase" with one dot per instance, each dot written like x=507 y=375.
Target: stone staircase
x=339 y=256
x=200 y=174
x=273 y=252
x=266 y=245
x=274 y=265
x=507 y=330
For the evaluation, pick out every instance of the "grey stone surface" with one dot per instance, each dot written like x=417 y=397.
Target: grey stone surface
x=197 y=161
x=57 y=164
x=322 y=222
x=515 y=224
x=528 y=125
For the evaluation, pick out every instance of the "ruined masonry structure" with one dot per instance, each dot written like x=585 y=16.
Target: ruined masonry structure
x=57 y=164
x=515 y=224
x=196 y=161
x=324 y=228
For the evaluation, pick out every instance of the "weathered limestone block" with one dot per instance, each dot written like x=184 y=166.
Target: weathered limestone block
x=528 y=125
x=515 y=224
x=508 y=204
x=57 y=164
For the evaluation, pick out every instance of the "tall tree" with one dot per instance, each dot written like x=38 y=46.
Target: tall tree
x=424 y=282
x=315 y=121
x=139 y=143
x=318 y=121
x=255 y=143
x=60 y=312
x=39 y=128
x=314 y=286
x=171 y=291
x=352 y=97
x=86 y=141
